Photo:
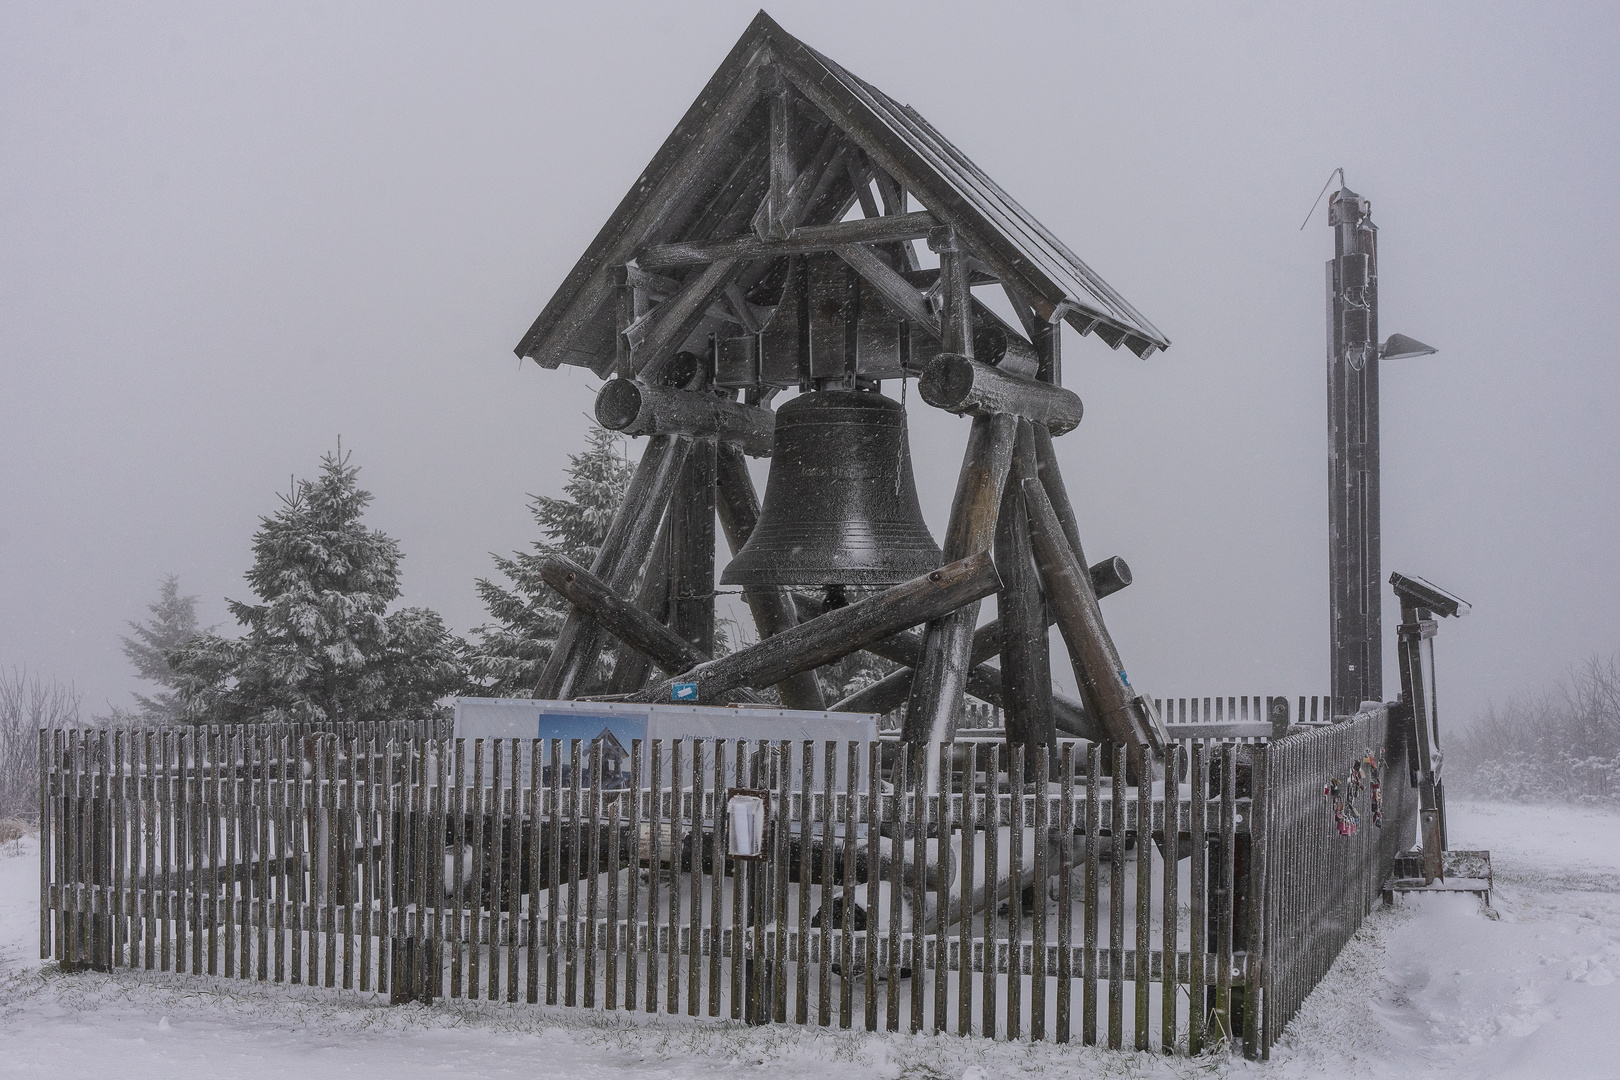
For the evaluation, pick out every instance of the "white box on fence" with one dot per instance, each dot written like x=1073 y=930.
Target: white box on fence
x=619 y=723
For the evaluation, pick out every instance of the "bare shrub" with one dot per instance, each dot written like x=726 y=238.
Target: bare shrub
x=28 y=703
x=1559 y=746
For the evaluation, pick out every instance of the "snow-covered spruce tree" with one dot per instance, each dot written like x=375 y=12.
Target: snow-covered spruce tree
x=173 y=622
x=509 y=653
x=320 y=646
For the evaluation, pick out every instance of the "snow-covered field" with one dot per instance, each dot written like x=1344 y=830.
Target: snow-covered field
x=1431 y=987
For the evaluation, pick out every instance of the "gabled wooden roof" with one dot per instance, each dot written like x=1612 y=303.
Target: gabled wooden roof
x=708 y=179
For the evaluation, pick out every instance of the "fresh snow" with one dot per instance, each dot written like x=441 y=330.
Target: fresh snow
x=1432 y=987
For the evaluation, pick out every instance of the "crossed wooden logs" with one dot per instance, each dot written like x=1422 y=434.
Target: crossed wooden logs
x=1010 y=501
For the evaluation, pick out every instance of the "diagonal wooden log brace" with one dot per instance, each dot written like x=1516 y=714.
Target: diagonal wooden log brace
x=620 y=558
x=624 y=620
x=773 y=610
x=1107 y=578
x=1097 y=667
x=840 y=632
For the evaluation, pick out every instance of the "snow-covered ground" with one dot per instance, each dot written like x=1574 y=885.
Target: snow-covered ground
x=1431 y=987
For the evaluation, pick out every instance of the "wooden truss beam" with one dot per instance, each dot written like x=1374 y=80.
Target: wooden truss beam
x=803 y=240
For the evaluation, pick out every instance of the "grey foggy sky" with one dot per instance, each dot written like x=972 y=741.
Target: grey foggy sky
x=229 y=234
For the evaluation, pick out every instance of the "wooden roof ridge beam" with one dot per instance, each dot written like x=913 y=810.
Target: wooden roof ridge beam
x=841 y=632
x=803 y=240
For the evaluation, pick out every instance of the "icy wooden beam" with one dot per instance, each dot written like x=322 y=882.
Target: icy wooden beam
x=1097 y=666
x=802 y=241
x=961 y=385
x=636 y=409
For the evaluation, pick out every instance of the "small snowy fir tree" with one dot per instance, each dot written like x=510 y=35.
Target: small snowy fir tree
x=173 y=622
x=510 y=652
x=321 y=646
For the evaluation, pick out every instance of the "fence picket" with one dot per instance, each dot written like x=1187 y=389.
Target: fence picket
x=1224 y=894
x=1016 y=758
x=846 y=922
x=655 y=817
x=1169 y=905
x=1198 y=929
x=874 y=817
x=965 y=905
x=992 y=880
x=918 y=937
x=896 y=882
x=1065 y=926
x=1088 y=1017
x=510 y=835
x=942 y=897
x=1141 y=974
x=782 y=783
x=717 y=874
x=1037 y=926
x=1118 y=841
x=535 y=847
x=672 y=987
x=632 y=943
x=592 y=845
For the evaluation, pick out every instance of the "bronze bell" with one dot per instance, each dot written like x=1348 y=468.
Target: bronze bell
x=840 y=505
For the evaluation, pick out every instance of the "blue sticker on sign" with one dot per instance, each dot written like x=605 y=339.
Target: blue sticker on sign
x=684 y=691
x=1123 y=679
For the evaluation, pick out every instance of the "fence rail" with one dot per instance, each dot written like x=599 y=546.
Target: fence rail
x=1103 y=897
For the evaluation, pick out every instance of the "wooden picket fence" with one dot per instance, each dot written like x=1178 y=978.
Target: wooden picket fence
x=1319 y=884
x=1016 y=898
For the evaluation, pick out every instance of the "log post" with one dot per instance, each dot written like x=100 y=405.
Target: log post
x=1026 y=672
x=617 y=562
x=842 y=631
x=936 y=694
x=691 y=549
x=1104 y=686
x=773 y=609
